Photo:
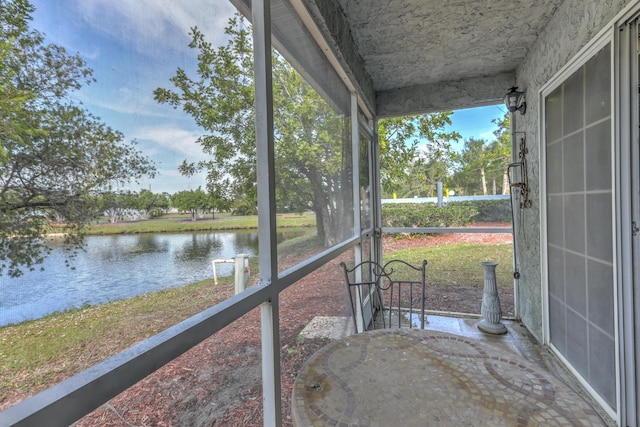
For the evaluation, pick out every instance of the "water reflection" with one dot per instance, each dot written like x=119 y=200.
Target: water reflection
x=116 y=267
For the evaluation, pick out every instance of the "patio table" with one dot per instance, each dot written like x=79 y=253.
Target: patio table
x=399 y=377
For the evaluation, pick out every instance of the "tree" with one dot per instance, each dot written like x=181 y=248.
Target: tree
x=112 y=205
x=502 y=151
x=221 y=101
x=312 y=160
x=149 y=204
x=55 y=156
x=414 y=150
x=196 y=202
x=432 y=163
x=308 y=134
x=481 y=162
x=313 y=154
x=472 y=163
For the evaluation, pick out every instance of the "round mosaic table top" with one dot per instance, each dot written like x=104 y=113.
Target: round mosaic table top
x=410 y=377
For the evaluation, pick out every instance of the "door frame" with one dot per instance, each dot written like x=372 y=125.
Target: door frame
x=604 y=37
x=627 y=80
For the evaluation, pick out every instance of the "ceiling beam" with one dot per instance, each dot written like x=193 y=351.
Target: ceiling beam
x=442 y=96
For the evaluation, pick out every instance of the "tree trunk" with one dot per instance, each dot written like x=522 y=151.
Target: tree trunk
x=505 y=183
x=320 y=207
x=494 y=186
x=320 y=224
x=484 y=182
x=326 y=223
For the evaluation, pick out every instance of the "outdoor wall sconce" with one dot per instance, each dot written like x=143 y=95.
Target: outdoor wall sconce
x=514 y=100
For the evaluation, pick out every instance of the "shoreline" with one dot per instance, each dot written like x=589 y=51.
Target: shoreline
x=172 y=224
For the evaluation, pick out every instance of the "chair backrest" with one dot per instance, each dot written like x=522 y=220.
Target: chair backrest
x=389 y=295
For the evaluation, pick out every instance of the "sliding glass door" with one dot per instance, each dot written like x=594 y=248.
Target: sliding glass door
x=578 y=152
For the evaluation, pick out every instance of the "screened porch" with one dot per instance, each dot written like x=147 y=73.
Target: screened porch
x=362 y=61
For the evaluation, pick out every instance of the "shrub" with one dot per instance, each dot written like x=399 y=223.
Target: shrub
x=243 y=209
x=426 y=215
x=488 y=210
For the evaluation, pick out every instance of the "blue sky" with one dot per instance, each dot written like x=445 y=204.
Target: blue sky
x=476 y=122
x=135 y=46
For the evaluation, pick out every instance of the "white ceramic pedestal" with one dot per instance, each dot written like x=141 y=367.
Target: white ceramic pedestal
x=491 y=310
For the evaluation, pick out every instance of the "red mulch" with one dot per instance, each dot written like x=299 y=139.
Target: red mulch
x=218 y=382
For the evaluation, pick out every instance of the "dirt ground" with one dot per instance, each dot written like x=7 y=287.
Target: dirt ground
x=218 y=382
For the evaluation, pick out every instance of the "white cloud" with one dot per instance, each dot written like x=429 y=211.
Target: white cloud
x=162 y=184
x=171 y=181
x=93 y=54
x=168 y=146
x=134 y=46
x=171 y=173
x=487 y=136
x=179 y=141
x=153 y=26
x=139 y=106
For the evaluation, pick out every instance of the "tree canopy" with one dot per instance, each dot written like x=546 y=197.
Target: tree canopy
x=478 y=167
x=414 y=153
x=220 y=100
x=481 y=166
x=312 y=139
x=196 y=202
x=55 y=156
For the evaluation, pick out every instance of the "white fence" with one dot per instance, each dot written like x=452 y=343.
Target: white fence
x=449 y=199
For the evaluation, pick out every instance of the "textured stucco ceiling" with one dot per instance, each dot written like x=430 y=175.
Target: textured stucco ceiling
x=405 y=43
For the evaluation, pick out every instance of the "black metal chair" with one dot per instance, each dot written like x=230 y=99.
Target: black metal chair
x=386 y=296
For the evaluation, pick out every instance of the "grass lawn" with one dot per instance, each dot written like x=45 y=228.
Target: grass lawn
x=37 y=354
x=180 y=223
x=459 y=264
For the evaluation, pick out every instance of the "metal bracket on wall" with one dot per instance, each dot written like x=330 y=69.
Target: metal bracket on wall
x=522 y=184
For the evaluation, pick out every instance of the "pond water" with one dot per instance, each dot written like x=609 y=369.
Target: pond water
x=118 y=267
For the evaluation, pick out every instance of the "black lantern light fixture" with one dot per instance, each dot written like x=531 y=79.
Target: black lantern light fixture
x=514 y=100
